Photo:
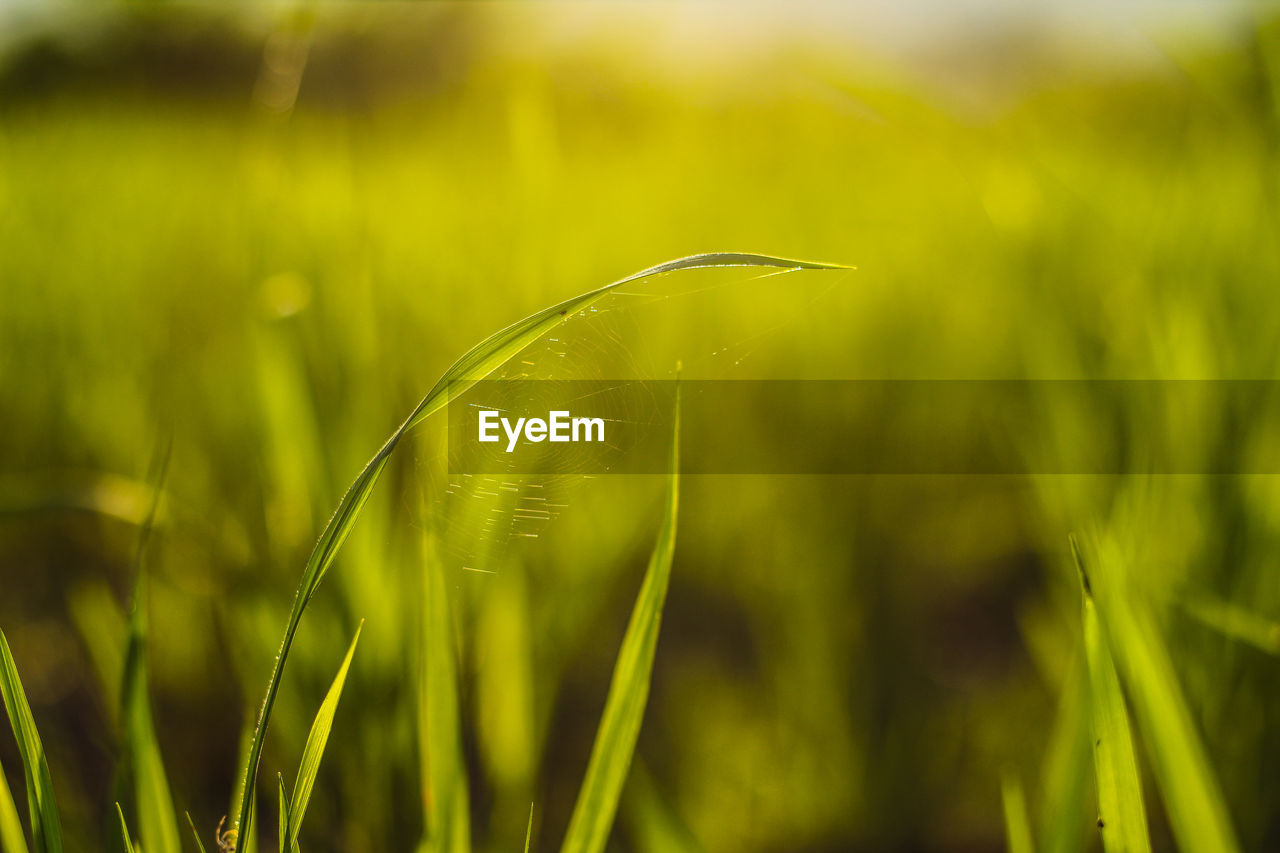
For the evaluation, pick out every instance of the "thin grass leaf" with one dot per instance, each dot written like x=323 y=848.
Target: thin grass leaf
x=528 y=830
x=1017 y=826
x=1193 y=800
x=1235 y=622
x=152 y=798
x=629 y=690
x=1122 y=817
x=194 y=834
x=103 y=627
x=124 y=831
x=446 y=796
x=652 y=821
x=248 y=843
x=473 y=366
x=46 y=826
x=12 y=838
x=1064 y=778
x=282 y=823
x=313 y=751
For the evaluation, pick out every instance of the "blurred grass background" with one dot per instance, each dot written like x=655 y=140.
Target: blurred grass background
x=267 y=233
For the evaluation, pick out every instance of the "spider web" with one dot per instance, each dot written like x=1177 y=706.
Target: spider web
x=719 y=323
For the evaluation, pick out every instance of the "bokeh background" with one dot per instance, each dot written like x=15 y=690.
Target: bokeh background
x=262 y=234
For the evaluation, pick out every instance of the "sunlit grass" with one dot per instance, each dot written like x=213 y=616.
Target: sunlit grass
x=275 y=290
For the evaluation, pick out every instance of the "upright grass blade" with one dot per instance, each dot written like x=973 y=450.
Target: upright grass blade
x=152 y=799
x=1194 y=802
x=313 y=751
x=46 y=827
x=12 y=839
x=629 y=690
x=228 y=837
x=124 y=831
x=1122 y=817
x=1017 y=826
x=528 y=830
x=194 y=834
x=155 y=812
x=446 y=799
x=1067 y=769
x=477 y=363
x=282 y=824
x=652 y=821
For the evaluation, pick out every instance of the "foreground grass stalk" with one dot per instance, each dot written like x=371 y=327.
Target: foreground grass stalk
x=46 y=825
x=195 y=834
x=1017 y=826
x=446 y=799
x=1122 y=817
x=12 y=838
x=629 y=691
x=292 y=811
x=125 y=837
x=1067 y=768
x=1193 y=799
x=478 y=362
x=153 y=801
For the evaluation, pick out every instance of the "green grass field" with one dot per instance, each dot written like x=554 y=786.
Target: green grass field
x=218 y=301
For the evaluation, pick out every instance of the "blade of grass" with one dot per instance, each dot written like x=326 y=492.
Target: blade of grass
x=152 y=798
x=1064 y=779
x=103 y=627
x=231 y=837
x=1235 y=622
x=313 y=751
x=46 y=826
x=194 y=834
x=1193 y=800
x=282 y=822
x=444 y=773
x=1017 y=826
x=528 y=830
x=1122 y=818
x=12 y=838
x=248 y=843
x=473 y=366
x=124 y=830
x=629 y=690
x=652 y=821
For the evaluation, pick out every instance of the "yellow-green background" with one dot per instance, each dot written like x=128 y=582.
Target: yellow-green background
x=846 y=663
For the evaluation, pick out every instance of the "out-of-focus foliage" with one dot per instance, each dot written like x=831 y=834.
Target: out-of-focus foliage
x=266 y=236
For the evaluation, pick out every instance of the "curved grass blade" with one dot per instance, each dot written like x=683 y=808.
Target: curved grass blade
x=473 y=366
x=1122 y=817
x=446 y=796
x=194 y=834
x=313 y=751
x=528 y=830
x=46 y=826
x=1193 y=800
x=12 y=839
x=629 y=690
x=124 y=831
x=1017 y=826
